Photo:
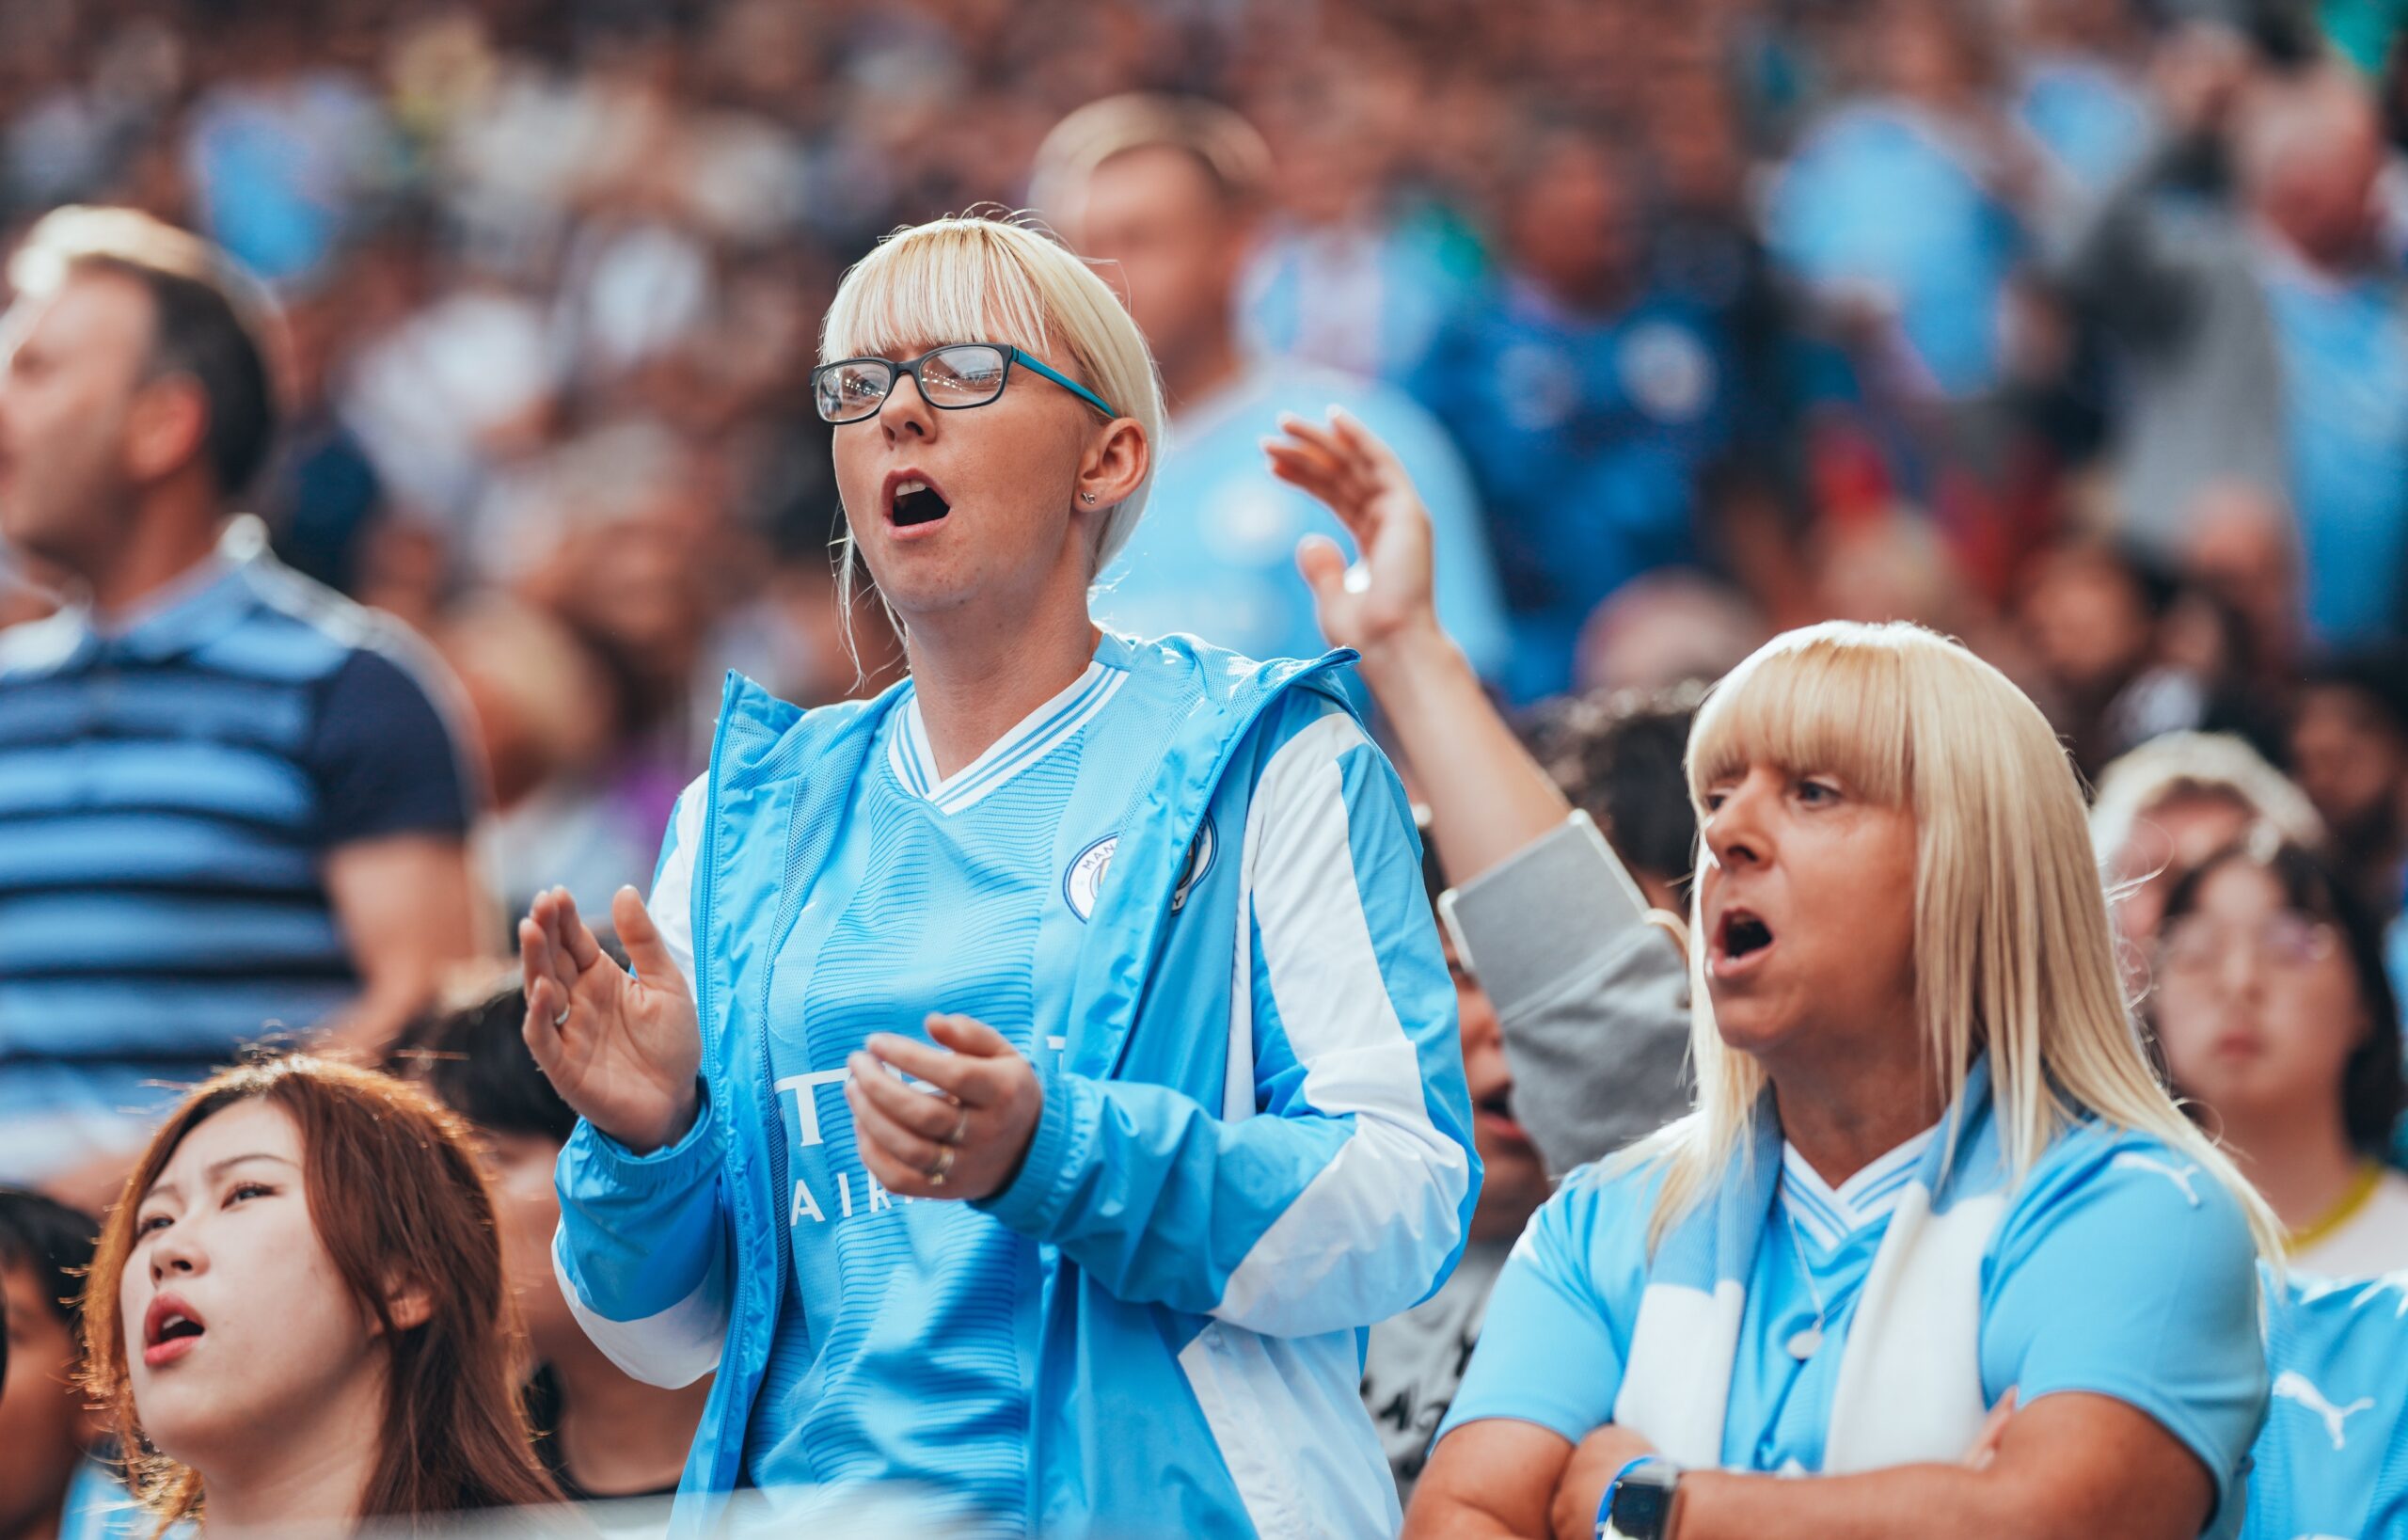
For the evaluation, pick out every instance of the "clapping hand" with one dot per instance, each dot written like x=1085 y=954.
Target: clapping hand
x=965 y=1140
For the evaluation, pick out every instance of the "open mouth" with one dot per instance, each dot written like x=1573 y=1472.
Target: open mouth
x=914 y=502
x=1743 y=936
x=170 y=1330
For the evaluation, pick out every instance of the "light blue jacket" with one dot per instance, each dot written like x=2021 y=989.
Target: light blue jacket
x=1211 y=1246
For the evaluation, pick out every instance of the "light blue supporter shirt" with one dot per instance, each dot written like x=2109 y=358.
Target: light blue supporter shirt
x=904 y=1346
x=2333 y=1459
x=1216 y=555
x=2113 y=1271
x=2344 y=349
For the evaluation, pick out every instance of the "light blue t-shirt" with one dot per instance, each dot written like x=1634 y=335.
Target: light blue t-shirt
x=2333 y=1459
x=2114 y=1270
x=1882 y=199
x=2344 y=350
x=1216 y=555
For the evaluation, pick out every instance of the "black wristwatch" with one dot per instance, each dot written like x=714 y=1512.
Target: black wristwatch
x=1640 y=1505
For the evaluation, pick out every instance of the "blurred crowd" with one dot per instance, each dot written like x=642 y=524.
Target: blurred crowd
x=2074 y=328
x=2070 y=328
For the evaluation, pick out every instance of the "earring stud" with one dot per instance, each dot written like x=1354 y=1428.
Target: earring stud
x=1089 y=496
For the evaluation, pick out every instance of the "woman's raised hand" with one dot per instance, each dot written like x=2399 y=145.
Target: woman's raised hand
x=622 y=1049
x=1386 y=594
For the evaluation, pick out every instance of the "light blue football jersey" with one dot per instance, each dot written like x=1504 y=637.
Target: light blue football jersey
x=904 y=1349
x=1216 y=555
x=2333 y=1460
x=2114 y=1271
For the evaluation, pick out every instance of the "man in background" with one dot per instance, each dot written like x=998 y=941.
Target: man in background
x=232 y=807
x=1163 y=193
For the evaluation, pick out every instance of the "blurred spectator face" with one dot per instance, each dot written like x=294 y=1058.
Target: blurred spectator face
x=1512 y=1179
x=1003 y=474
x=43 y=1428
x=1574 y=223
x=69 y=424
x=2257 y=1003
x=1929 y=50
x=2087 y=619
x=225 y=1232
x=2167 y=839
x=2350 y=758
x=1665 y=628
x=2314 y=152
x=2241 y=546
x=1170 y=243
x=526 y=1211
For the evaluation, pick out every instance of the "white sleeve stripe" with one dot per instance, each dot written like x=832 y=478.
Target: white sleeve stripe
x=671 y=904
x=1368 y=1234
x=676 y=1346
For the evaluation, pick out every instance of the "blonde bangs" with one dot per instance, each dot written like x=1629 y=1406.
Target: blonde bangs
x=951 y=280
x=2014 y=954
x=1819 y=701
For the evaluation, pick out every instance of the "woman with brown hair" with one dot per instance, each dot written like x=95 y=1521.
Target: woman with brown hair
x=297 y=1311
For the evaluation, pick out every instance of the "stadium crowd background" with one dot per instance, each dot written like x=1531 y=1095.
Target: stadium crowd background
x=1793 y=287
x=2074 y=328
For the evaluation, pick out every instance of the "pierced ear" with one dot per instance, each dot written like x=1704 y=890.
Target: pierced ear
x=1115 y=468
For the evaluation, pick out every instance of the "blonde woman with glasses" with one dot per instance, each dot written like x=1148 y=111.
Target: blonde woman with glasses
x=1032 y=1080
x=1933 y=1254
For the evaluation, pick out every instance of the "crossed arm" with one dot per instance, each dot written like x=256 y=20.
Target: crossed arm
x=2069 y=1467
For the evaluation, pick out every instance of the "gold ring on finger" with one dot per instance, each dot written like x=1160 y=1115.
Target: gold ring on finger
x=944 y=1163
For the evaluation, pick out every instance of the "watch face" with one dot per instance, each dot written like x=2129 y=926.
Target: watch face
x=1642 y=1509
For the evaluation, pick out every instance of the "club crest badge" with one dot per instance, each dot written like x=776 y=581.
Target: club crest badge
x=1084 y=879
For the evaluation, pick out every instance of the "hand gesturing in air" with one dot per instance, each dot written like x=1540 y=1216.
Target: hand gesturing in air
x=1386 y=593
x=622 y=1049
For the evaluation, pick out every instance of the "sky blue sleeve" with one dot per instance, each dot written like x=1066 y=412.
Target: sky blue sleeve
x=1552 y=1345
x=1470 y=602
x=2333 y=1458
x=1344 y=1197
x=2124 y=1270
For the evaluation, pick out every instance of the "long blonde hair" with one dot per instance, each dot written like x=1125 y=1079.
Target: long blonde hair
x=2013 y=950
x=980 y=280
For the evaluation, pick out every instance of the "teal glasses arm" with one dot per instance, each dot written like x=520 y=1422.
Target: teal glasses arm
x=1023 y=356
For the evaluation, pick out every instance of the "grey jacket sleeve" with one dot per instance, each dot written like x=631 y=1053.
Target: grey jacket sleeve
x=1593 y=998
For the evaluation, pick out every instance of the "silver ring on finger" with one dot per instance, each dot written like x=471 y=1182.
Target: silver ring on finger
x=960 y=1130
x=936 y=1174
x=560 y=1020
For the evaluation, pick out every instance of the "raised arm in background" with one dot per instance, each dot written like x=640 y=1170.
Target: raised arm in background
x=1592 y=999
x=1488 y=798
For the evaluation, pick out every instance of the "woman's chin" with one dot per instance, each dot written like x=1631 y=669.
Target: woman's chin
x=1752 y=1026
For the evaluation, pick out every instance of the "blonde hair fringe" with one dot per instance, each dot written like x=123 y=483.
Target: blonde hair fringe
x=2014 y=952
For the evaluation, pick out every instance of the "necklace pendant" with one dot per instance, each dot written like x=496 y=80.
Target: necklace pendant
x=1803 y=1344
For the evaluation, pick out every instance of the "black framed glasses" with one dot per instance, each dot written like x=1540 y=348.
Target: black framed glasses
x=952 y=379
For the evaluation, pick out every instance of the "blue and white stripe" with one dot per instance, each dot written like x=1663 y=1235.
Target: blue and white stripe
x=1828 y=1215
x=1044 y=730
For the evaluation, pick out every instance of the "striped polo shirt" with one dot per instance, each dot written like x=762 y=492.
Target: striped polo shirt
x=168 y=788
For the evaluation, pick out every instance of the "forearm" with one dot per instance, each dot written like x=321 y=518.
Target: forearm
x=1487 y=797
x=1593 y=999
x=1448 y=1518
x=1909 y=1502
